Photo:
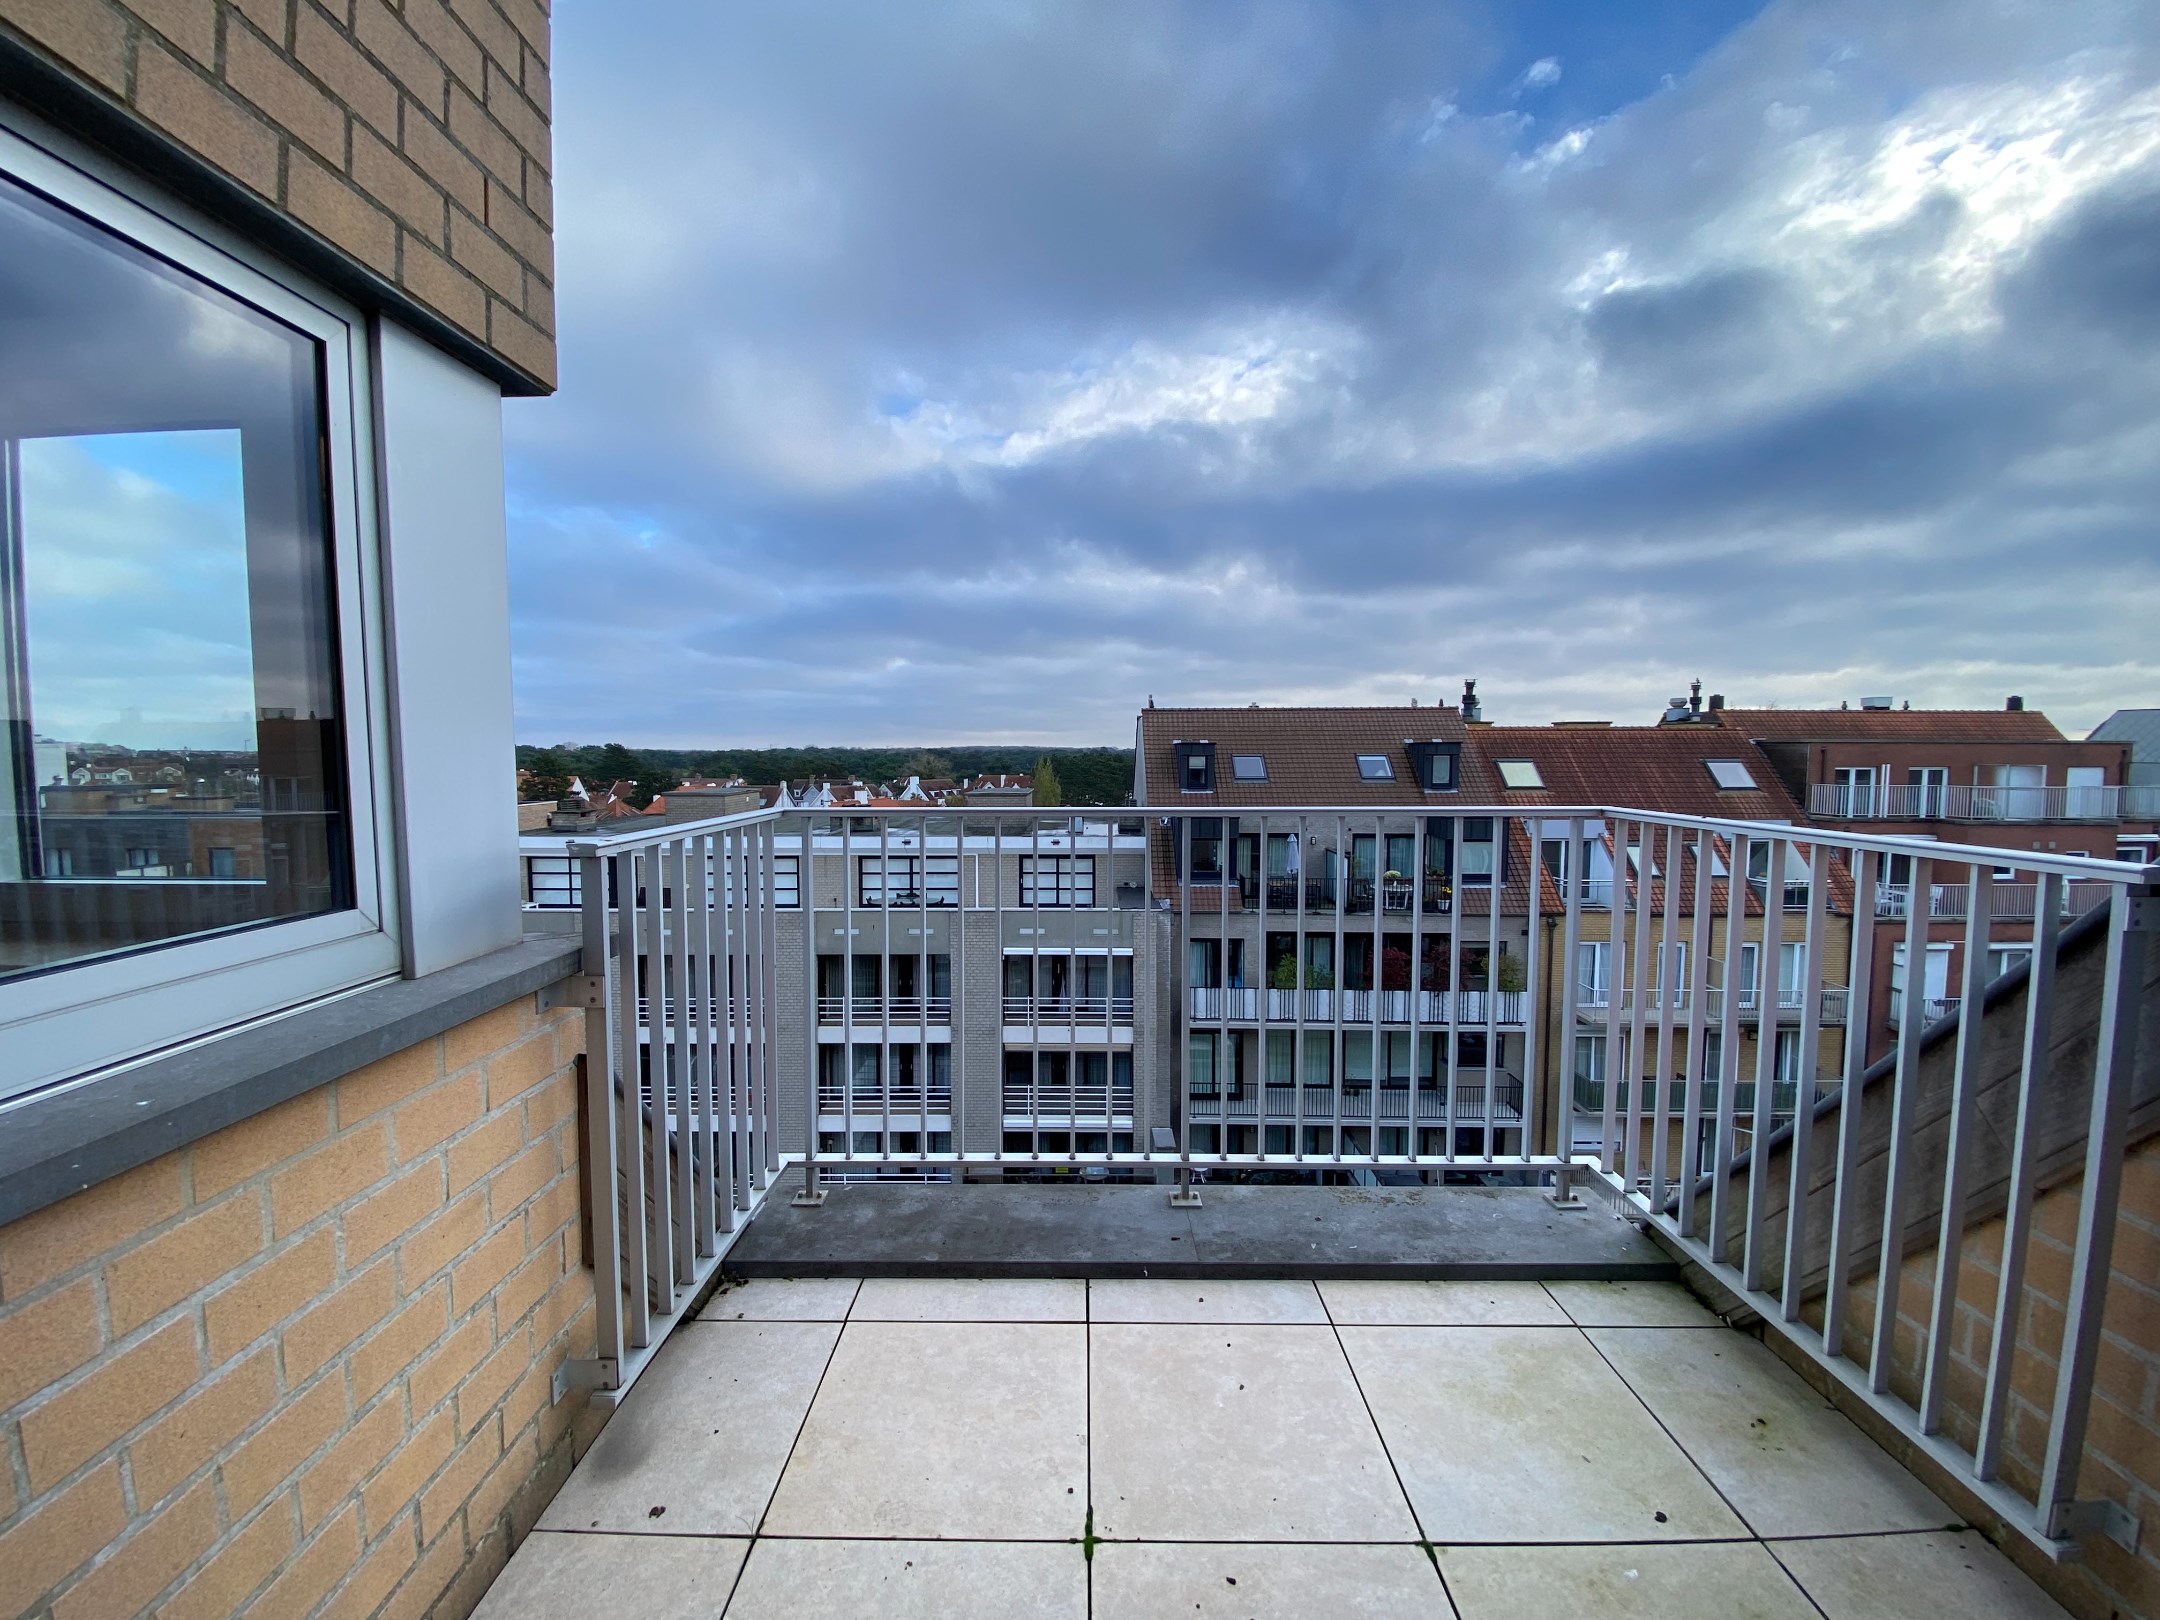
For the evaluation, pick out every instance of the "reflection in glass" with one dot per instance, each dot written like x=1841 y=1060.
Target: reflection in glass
x=172 y=755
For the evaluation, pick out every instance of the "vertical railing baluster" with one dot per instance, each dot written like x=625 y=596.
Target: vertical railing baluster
x=1668 y=980
x=1867 y=866
x=885 y=983
x=1616 y=959
x=2121 y=996
x=1736 y=889
x=1912 y=1014
x=1803 y=1126
x=2035 y=1069
x=1533 y=1022
x=714 y=1201
x=1694 y=1068
x=1753 y=1254
x=1457 y=918
x=1338 y=997
x=1492 y=974
x=1574 y=865
x=630 y=1104
x=660 y=1254
x=1957 y=1170
x=603 y=1024
x=682 y=1240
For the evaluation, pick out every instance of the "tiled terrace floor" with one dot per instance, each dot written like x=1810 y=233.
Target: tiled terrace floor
x=921 y=1447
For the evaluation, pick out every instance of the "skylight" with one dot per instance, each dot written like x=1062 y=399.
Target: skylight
x=1248 y=767
x=1729 y=773
x=1519 y=773
x=1375 y=767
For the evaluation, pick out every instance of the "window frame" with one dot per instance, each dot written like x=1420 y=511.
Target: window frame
x=1239 y=774
x=1386 y=772
x=78 y=1019
x=1065 y=886
x=1746 y=784
x=1536 y=784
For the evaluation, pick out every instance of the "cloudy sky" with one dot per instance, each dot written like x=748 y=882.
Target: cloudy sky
x=973 y=371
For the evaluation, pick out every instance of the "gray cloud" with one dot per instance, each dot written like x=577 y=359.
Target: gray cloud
x=976 y=373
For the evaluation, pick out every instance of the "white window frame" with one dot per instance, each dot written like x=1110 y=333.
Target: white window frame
x=78 y=1019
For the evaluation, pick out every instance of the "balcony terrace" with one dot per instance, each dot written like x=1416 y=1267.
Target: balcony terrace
x=1901 y=801
x=1388 y=1381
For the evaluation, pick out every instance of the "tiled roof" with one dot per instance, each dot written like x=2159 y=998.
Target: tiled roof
x=1311 y=754
x=1890 y=725
x=1660 y=768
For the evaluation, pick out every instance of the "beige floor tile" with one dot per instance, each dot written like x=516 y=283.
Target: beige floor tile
x=1631 y=1304
x=1235 y=1434
x=1788 y=1463
x=1734 y=1580
x=944 y=1430
x=1154 y=1299
x=913 y=1580
x=1524 y=1434
x=1947 y=1572
x=969 y=1299
x=783 y=1299
x=1441 y=1304
x=1159 y=1581
x=575 y=1577
x=703 y=1436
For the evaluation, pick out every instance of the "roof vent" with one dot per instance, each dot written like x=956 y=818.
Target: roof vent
x=1875 y=702
x=1676 y=712
x=2014 y=704
x=1470 y=708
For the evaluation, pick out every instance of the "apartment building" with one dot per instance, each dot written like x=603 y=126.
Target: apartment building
x=1672 y=906
x=948 y=982
x=2004 y=778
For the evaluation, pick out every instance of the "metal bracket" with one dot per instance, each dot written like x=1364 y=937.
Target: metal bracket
x=2145 y=913
x=2095 y=1516
x=1187 y=1195
x=807 y=1198
x=600 y=1373
x=1563 y=1194
x=587 y=990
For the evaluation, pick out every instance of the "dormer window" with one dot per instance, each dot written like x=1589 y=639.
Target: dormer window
x=1730 y=775
x=1195 y=766
x=1519 y=773
x=1436 y=764
x=1375 y=768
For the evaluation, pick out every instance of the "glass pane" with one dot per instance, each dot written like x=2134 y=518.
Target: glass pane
x=173 y=752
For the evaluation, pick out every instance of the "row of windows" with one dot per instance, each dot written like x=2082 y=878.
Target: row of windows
x=553 y=881
x=1435 y=767
x=1214 y=1064
x=1210 y=841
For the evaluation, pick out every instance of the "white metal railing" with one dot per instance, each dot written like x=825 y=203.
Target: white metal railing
x=1082 y=1010
x=1922 y=801
x=671 y=1176
x=2010 y=902
x=875 y=1010
x=1059 y=1103
x=1594 y=1002
x=1933 y=1009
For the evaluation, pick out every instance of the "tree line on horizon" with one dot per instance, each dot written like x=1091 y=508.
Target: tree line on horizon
x=1091 y=776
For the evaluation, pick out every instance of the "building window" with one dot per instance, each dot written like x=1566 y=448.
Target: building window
x=787 y=881
x=166 y=593
x=1248 y=767
x=1207 y=837
x=909 y=880
x=1480 y=852
x=184 y=597
x=1519 y=773
x=1375 y=768
x=1195 y=766
x=1729 y=774
x=1057 y=880
x=553 y=881
x=1435 y=764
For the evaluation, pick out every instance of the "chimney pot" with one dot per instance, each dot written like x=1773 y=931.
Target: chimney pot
x=2015 y=705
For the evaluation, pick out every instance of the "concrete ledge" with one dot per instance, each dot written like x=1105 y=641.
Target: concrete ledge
x=912 y=1229
x=56 y=1143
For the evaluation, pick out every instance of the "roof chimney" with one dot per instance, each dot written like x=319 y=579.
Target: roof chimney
x=1717 y=701
x=1694 y=697
x=1470 y=709
x=2015 y=704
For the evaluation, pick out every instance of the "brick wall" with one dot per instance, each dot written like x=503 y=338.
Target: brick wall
x=302 y=1366
x=2122 y=1441
x=411 y=134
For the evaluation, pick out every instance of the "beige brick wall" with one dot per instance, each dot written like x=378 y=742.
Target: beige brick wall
x=412 y=134
x=2122 y=1445
x=302 y=1367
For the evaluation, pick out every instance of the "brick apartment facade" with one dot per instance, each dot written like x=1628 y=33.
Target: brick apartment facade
x=281 y=1293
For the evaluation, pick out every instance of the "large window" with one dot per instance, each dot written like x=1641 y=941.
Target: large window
x=186 y=781
x=174 y=718
x=910 y=880
x=1057 y=880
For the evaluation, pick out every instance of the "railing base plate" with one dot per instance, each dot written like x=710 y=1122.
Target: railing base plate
x=808 y=1198
x=2098 y=1516
x=590 y=1373
x=1184 y=1198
